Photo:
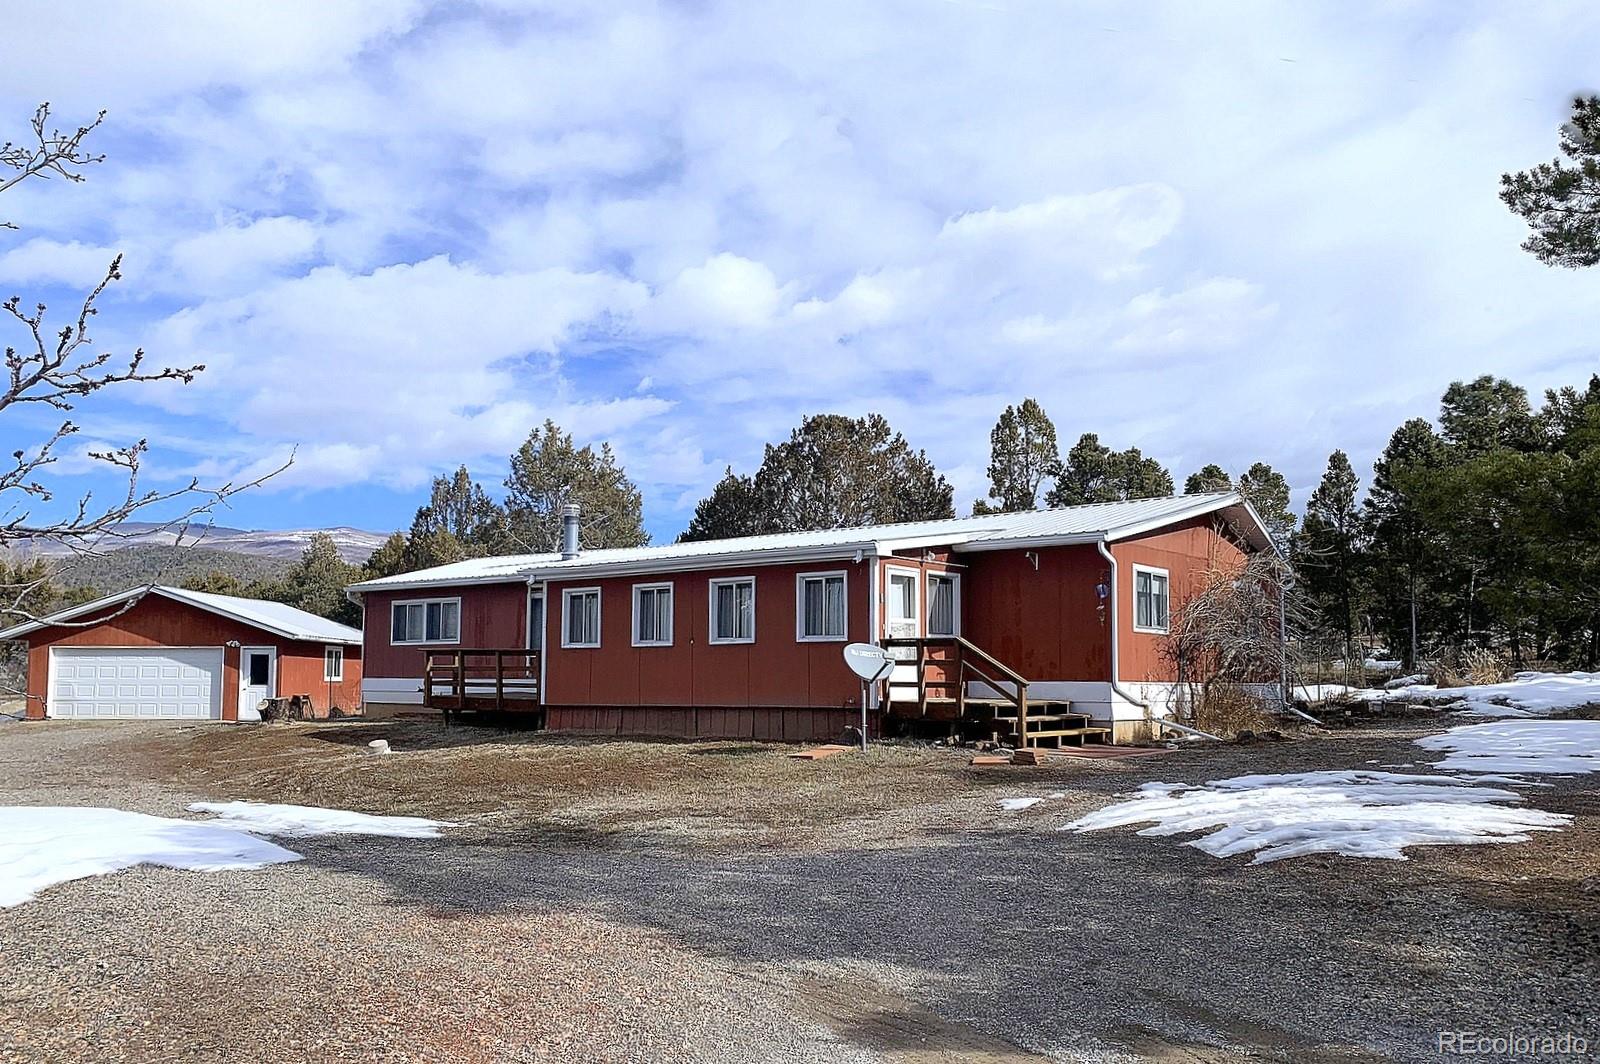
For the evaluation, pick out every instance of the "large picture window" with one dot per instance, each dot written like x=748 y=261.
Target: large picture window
x=820 y=607
x=1150 y=599
x=652 y=615
x=580 y=623
x=426 y=621
x=733 y=610
x=944 y=604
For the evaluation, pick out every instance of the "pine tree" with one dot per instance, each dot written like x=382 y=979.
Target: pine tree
x=317 y=581
x=388 y=560
x=1561 y=200
x=1022 y=455
x=1265 y=489
x=1396 y=516
x=732 y=509
x=1328 y=549
x=838 y=472
x=1207 y=480
x=1093 y=472
x=459 y=505
x=548 y=472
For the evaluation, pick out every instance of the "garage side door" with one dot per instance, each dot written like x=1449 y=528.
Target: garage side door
x=147 y=683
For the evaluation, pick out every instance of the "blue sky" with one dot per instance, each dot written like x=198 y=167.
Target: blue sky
x=401 y=235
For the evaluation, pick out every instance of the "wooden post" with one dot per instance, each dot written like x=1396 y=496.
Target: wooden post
x=499 y=681
x=1022 y=717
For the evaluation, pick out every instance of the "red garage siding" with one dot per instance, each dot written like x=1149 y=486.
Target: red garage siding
x=156 y=621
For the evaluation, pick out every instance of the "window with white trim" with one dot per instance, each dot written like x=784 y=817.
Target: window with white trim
x=425 y=621
x=333 y=664
x=580 y=617
x=1150 y=599
x=820 y=608
x=652 y=615
x=733 y=610
x=944 y=604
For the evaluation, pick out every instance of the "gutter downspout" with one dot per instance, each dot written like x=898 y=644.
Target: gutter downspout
x=1116 y=687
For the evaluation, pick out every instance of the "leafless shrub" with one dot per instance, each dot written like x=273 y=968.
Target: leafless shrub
x=1225 y=643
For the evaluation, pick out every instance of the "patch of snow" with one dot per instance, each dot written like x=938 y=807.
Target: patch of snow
x=1013 y=805
x=1355 y=813
x=45 y=845
x=1405 y=681
x=302 y=821
x=1321 y=692
x=1520 y=747
x=1527 y=694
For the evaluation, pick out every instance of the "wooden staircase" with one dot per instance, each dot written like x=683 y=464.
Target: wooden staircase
x=949 y=665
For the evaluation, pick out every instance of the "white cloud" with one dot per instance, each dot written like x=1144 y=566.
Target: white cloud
x=400 y=234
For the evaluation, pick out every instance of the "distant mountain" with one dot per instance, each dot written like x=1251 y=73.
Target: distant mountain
x=155 y=563
x=355 y=545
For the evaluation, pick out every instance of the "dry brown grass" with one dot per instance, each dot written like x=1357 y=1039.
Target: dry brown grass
x=1226 y=709
x=1471 y=667
x=706 y=794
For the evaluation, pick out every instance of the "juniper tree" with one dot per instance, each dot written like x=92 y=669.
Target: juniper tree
x=547 y=472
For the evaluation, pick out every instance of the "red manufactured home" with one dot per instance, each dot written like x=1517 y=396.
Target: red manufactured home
x=1058 y=611
x=167 y=653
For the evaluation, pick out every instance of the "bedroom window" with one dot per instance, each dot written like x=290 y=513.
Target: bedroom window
x=652 y=615
x=426 y=621
x=733 y=610
x=1150 y=599
x=581 y=617
x=820 y=607
x=944 y=604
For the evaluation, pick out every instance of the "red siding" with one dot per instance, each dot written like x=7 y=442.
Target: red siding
x=777 y=670
x=493 y=616
x=161 y=622
x=1186 y=552
x=1046 y=623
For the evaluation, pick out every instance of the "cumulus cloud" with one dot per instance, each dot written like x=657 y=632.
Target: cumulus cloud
x=401 y=234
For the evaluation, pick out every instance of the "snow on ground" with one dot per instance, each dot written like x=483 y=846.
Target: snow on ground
x=45 y=845
x=1350 y=812
x=1527 y=694
x=301 y=821
x=41 y=846
x=1013 y=805
x=1321 y=692
x=1520 y=747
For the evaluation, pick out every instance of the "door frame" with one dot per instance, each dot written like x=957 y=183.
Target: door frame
x=244 y=675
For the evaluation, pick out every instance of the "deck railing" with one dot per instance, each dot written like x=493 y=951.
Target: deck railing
x=481 y=680
x=968 y=662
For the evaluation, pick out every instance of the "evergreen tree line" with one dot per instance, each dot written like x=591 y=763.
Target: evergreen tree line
x=1481 y=529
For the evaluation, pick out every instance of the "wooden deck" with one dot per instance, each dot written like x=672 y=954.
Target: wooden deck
x=456 y=682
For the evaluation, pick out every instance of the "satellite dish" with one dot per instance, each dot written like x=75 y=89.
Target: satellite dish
x=868 y=662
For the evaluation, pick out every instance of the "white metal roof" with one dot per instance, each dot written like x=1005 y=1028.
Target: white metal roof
x=1111 y=521
x=274 y=617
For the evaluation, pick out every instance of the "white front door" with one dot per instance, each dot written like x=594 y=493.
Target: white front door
x=902 y=620
x=258 y=679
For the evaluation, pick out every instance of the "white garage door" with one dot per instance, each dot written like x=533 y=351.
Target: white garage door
x=147 y=683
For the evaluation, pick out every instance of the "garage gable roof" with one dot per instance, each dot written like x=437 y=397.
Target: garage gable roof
x=274 y=617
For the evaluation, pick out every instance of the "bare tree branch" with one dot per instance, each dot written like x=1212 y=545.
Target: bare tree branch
x=48 y=154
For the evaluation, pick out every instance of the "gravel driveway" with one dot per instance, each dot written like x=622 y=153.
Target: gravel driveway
x=995 y=939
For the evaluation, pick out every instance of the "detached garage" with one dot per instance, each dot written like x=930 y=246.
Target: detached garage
x=164 y=653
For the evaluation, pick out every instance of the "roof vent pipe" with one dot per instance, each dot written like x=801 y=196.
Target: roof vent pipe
x=569 y=531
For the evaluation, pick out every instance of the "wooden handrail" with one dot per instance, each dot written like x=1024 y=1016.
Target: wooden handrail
x=453 y=674
x=966 y=651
